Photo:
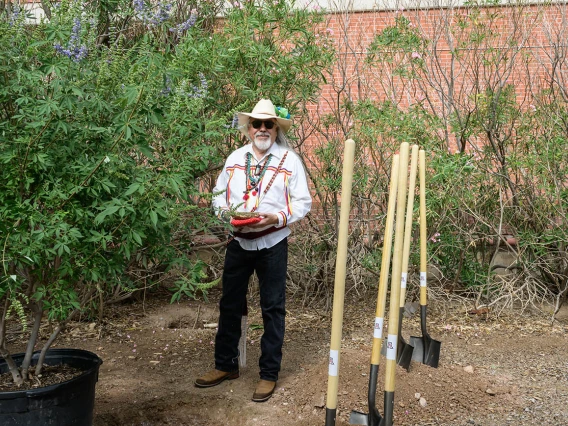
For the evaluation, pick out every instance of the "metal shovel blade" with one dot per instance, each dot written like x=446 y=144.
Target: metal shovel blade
x=371 y=419
x=404 y=355
x=432 y=354
x=418 y=352
x=426 y=349
x=374 y=417
x=358 y=418
x=403 y=350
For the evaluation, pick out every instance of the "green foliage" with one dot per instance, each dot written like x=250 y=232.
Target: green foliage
x=400 y=46
x=192 y=282
x=512 y=185
x=112 y=116
x=496 y=163
x=402 y=36
x=378 y=129
x=16 y=305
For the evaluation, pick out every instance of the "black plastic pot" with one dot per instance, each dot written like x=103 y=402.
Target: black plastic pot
x=69 y=403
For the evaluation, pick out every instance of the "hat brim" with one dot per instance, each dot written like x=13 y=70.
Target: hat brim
x=244 y=117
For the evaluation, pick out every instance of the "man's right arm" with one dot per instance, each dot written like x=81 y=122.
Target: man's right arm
x=220 y=202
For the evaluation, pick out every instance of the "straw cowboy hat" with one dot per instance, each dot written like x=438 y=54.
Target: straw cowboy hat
x=265 y=110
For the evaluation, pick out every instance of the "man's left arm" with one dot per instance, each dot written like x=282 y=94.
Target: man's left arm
x=299 y=200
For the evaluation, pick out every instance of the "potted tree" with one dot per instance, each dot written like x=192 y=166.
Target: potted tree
x=93 y=181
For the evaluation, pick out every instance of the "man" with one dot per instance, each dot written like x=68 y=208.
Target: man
x=267 y=177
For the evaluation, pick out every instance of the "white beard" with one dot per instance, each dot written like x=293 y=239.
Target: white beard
x=262 y=145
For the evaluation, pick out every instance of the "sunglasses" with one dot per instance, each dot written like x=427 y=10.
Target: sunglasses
x=257 y=124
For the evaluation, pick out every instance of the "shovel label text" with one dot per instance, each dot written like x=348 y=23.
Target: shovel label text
x=378 y=332
x=333 y=362
x=422 y=279
x=403 y=280
x=392 y=340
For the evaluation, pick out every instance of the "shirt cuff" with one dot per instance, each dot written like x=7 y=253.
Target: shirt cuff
x=282 y=220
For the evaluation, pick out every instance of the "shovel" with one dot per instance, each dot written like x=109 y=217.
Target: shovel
x=374 y=418
x=405 y=350
x=426 y=349
x=339 y=284
x=392 y=337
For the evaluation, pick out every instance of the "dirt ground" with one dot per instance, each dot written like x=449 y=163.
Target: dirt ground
x=492 y=372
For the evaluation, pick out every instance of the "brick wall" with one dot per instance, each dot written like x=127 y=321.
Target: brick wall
x=524 y=46
x=528 y=44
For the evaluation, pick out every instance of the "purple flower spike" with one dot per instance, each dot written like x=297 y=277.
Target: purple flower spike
x=184 y=26
x=75 y=50
x=150 y=17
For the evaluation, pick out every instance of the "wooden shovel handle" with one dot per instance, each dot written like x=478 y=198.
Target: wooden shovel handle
x=340 y=272
x=385 y=264
x=408 y=224
x=423 y=232
x=396 y=272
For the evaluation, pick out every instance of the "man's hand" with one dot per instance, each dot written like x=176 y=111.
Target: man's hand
x=267 y=220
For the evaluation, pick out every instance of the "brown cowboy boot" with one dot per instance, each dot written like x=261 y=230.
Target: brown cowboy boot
x=264 y=390
x=214 y=377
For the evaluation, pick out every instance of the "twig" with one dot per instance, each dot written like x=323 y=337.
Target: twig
x=4 y=353
x=38 y=314
x=56 y=332
x=197 y=316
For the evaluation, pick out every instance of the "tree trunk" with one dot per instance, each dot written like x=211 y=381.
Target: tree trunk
x=4 y=353
x=38 y=313
x=46 y=6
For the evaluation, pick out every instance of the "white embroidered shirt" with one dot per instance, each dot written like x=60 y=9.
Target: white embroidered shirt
x=288 y=196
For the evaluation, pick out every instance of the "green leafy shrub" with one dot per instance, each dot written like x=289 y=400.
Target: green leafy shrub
x=113 y=115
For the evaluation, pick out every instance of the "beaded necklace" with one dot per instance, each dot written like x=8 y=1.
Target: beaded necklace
x=232 y=237
x=254 y=178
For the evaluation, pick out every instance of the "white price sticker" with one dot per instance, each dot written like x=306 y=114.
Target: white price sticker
x=378 y=332
x=333 y=362
x=392 y=340
x=403 y=280
x=422 y=279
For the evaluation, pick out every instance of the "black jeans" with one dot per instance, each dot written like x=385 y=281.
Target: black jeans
x=270 y=266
